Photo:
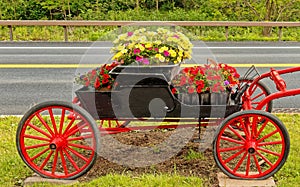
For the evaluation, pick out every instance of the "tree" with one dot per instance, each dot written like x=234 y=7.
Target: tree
x=273 y=10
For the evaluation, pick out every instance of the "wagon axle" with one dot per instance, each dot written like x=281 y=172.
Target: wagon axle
x=58 y=143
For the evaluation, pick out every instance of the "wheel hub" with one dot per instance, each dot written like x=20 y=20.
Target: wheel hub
x=251 y=147
x=57 y=143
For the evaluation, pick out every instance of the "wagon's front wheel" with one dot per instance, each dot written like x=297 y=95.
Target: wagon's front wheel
x=58 y=140
x=251 y=145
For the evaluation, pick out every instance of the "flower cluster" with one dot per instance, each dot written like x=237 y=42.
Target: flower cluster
x=151 y=47
x=207 y=78
x=97 y=78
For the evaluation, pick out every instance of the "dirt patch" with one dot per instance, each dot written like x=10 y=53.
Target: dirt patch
x=184 y=162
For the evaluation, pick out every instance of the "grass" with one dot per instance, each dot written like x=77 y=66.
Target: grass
x=13 y=171
x=93 y=33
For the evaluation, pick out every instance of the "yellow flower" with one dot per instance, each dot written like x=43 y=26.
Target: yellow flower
x=180 y=53
x=172 y=53
x=131 y=45
x=178 y=59
x=157 y=42
x=122 y=36
x=148 y=45
x=117 y=56
x=139 y=46
x=124 y=51
x=120 y=47
x=160 y=57
x=162 y=49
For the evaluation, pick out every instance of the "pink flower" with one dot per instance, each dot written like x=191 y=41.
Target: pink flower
x=129 y=33
x=136 y=51
x=146 y=61
x=139 y=58
x=166 y=53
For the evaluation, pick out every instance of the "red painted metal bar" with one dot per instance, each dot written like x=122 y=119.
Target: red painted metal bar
x=115 y=130
x=278 y=83
x=277 y=95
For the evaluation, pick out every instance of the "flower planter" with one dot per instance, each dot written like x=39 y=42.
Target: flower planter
x=219 y=98
x=168 y=71
x=189 y=99
x=204 y=98
x=98 y=103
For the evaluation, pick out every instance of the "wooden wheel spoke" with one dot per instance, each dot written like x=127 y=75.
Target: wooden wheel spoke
x=270 y=143
x=80 y=146
x=39 y=130
x=45 y=124
x=262 y=127
x=257 y=96
x=233 y=156
x=268 y=135
x=62 y=119
x=69 y=125
x=248 y=165
x=257 y=164
x=236 y=133
x=269 y=151
x=63 y=161
x=78 y=154
x=240 y=162
x=53 y=121
x=36 y=146
x=76 y=128
x=36 y=137
x=80 y=138
x=232 y=140
x=265 y=159
x=39 y=154
x=71 y=160
x=231 y=148
x=46 y=160
x=54 y=164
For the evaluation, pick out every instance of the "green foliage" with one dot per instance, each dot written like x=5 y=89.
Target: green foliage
x=164 y=10
x=194 y=155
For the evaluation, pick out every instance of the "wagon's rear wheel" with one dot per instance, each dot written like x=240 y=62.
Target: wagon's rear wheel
x=251 y=145
x=58 y=140
x=258 y=93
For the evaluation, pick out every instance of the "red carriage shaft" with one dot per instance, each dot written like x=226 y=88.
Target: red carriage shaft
x=280 y=84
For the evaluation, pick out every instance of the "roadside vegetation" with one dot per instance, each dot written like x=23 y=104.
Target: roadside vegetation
x=13 y=171
x=171 y=10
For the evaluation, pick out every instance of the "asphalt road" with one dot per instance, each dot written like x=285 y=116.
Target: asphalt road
x=31 y=71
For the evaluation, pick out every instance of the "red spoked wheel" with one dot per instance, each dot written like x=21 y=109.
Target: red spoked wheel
x=58 y=140
x=258 y=93
x=251 y=145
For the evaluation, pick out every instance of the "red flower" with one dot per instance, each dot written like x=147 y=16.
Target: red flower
x=199 y=89
x=191 y=90
x=182 y=81
x=106 y=76
x=191 y=80
x=174 y=91
x=186 y=70
x=105 y=81
x=94 y=72
x=97 y=83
